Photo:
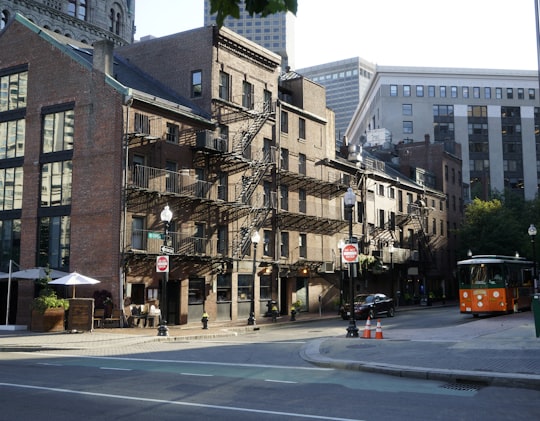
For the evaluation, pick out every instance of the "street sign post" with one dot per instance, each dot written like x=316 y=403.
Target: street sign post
x=167 y=250
x=350 y=253
x=162 y=264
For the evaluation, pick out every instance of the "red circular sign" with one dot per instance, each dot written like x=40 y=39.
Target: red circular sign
x=162 y=263
x=350 y=253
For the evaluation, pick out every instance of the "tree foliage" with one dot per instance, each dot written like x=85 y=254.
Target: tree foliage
x=498 y=226
x=225 y=8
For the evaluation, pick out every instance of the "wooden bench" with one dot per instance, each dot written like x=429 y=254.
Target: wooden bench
x=113 y=320
x=99 y=316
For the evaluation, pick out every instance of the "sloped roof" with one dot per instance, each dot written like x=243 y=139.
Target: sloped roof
x=125 y=75
x=131 y=76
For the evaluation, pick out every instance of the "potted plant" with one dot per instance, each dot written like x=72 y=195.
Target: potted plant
x=48 y=311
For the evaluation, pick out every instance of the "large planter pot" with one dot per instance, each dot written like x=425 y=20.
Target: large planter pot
x=50 y=321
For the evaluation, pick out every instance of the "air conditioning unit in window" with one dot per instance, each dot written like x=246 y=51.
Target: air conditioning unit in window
x=327 y=267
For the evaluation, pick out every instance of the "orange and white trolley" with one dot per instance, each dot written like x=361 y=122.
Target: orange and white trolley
x=490 y=284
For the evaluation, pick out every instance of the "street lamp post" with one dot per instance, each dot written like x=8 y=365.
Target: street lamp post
x=255 y=238
x=532 y=234
x=163 y=330
x=391 y=250
x=340 y=245
x=349 y=201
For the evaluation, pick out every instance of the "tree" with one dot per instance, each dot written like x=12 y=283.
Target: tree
x=225 y=8
x=490 y=228
x=499 y=226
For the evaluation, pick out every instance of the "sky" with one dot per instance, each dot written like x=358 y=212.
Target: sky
x=493 y=34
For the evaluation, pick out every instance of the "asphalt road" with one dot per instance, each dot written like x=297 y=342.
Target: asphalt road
x=259 y=375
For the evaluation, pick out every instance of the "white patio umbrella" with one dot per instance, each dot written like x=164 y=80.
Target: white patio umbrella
x=74 y=279
x=35 y=273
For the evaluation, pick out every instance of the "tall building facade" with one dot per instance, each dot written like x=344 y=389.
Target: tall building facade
x=259 y=171
x=207 y=137
x=492 y=114
x=346 y=82
x=86 y=21
x=224 y=155
x=274 y=32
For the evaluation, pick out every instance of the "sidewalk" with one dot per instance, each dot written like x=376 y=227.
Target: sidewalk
x=492 y=351
x=500 y=350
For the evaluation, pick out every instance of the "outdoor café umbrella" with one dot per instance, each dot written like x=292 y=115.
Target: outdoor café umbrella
x=74 y=279
x=35 y=273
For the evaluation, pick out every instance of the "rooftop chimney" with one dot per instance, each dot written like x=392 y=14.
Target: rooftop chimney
x=103 y=56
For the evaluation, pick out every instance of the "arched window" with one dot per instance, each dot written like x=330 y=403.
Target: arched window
x=4 y=19
x=77 y=9
x=111 y=18
x=117 y=29
x=115 y=18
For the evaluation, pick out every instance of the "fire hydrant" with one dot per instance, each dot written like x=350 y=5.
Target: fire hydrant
x=204 y=320
x=293 y=314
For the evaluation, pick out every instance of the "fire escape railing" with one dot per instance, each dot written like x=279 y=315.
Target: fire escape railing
x=243 y=137
x=258 y=213
x=171 y=182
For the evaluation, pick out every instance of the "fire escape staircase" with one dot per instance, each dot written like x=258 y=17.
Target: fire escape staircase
x=252 y=177
x=243 y=138
x=416 y=219
x=259 y=205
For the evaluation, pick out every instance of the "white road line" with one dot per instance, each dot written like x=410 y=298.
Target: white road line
x=279 y=381
x=115 y=368
x=179 y=403
x=250 y=342
x=197 y=374
x=287 y=367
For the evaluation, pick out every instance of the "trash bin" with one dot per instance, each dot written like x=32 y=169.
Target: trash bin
x=536 y=312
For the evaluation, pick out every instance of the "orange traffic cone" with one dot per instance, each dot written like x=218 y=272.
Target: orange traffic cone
x=378 y=331
x=367 y=329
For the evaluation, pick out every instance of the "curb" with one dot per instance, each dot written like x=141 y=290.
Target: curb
x=310 y=352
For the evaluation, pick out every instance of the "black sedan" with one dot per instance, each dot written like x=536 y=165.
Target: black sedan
x=370 y=305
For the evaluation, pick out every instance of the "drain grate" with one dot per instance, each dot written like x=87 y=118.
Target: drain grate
x=463 y=386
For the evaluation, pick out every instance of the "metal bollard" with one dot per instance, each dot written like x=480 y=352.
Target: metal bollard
x=204 y=320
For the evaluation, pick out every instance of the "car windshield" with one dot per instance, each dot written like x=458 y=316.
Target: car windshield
x=364 y=299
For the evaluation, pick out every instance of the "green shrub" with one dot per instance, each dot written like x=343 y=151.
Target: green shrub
x=48 y=299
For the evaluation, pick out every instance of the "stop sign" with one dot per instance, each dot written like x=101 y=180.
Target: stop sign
x=162 y=264
x=350 y=253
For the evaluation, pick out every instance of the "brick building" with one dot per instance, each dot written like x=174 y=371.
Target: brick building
x=99 y=141
x=63 y=120
x=260 y=170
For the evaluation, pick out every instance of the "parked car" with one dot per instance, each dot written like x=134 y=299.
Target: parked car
x=370 y=305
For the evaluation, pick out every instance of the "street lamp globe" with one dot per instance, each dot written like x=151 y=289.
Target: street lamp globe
x=166 y=214
x=255 y=237
x=532 y=230
x=350 y=198
x=341 y=244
